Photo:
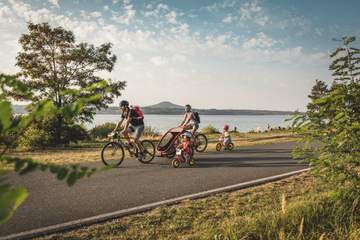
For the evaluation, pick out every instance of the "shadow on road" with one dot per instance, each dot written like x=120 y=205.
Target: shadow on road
x=248 y=162
x=245 y=150
x=203 y=162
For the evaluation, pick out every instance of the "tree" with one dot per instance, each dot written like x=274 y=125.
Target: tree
x=11 y=129
x=54 y=67
x=330 y=128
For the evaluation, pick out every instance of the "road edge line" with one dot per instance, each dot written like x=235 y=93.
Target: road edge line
x=143 y=208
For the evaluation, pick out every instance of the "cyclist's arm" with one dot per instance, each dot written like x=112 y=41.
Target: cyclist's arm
x=184 y=120
x=118 y=125
x=127 y=123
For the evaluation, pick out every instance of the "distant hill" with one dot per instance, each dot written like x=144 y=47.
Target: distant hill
x=168 y=108
x=166 y=105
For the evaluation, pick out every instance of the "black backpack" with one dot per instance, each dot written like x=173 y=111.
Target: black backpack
x=196 y=117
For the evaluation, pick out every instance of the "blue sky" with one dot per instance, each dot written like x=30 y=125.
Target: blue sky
x=257 y=54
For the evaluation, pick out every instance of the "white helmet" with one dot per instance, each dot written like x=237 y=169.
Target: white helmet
x=187 y=134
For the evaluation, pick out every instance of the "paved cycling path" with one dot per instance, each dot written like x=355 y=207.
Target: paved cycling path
x=133 y=184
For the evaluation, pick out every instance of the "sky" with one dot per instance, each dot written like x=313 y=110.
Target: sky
x=245 y=54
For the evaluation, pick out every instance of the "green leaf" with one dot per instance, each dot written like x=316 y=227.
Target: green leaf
x=19 y=163
x=62 y=173
x=72 y=178
x=31 y=166
x=10 y=200
x=5 y=114
x=339 y=116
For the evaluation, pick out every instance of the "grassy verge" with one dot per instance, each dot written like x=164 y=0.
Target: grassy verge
x=295 y=208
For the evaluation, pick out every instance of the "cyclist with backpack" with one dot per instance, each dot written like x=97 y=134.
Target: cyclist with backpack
x=132 y=120
x=191 y=119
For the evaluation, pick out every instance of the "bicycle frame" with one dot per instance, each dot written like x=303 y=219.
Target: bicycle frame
x=118 y=138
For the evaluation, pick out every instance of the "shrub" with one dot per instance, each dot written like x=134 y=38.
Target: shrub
x=42 y=134
x=101 y=131
x=34 y=138
x=210 y=129
x=74 y=133
x=151 y=132
x=10 y=135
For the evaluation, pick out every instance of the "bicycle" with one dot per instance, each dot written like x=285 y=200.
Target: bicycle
x=113 y=153
x=220 y=145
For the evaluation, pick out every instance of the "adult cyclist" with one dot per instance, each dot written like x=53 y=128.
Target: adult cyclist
x=191 y=120
x=132 y=121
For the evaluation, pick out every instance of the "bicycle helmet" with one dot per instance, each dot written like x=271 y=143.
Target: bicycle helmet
x=124 y=103
x=226 y=127
x=187 y=135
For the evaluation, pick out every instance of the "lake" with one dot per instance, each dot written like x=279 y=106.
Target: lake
x=244 y=123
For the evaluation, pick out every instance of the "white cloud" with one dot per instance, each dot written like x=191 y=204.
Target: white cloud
x=5 y=13
x=252 y=11
x=171 y=17
x=127 y=57
x=55 y=3
x=181 y=29
x=128 y=15
x=157 y=11
x=218 y=6
x=262 y=20
x=179 y=58
x=95 y=14
x=163 y=6
x=228 y=19
x=261 y=40
x=247 y=10
x=158 y=60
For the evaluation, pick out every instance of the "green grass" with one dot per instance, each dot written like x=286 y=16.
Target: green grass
x=255 y=213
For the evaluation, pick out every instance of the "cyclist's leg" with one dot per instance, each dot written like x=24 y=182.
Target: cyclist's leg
x=126 y=134
x=226 y=141
x=137 y=134
x=195 y=127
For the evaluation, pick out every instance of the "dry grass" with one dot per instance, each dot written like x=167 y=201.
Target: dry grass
x=61 y=156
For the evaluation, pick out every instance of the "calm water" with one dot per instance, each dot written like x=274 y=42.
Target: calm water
x=243 y=123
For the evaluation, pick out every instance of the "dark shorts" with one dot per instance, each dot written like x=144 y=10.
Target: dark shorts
x=137 y=130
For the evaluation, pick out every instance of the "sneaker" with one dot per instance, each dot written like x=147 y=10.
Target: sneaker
x=140 y=155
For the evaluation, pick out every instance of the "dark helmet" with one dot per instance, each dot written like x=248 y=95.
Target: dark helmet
x=124 y=103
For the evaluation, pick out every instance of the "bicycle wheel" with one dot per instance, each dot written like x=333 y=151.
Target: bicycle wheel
x=112 y=154
x=200 y=142
x=230 y=146
x=149 y=151
x=171 y=152
x=175 y=163
x=218 y=147
x=192 y=162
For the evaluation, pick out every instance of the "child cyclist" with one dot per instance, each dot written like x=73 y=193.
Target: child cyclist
x=186 y=147
x=225 y=136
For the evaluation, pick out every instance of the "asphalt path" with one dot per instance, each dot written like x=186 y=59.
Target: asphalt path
x=52 y=202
